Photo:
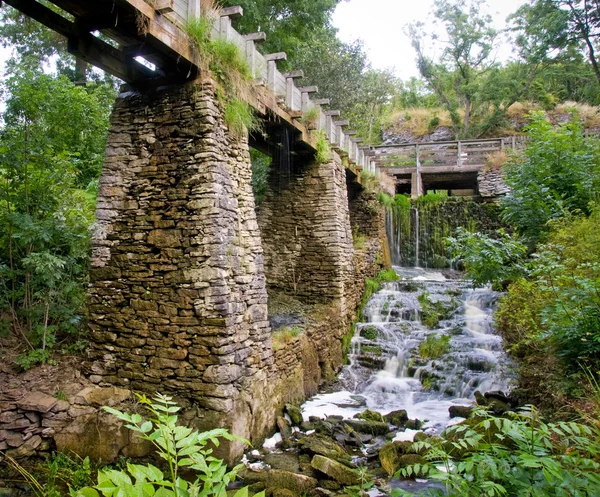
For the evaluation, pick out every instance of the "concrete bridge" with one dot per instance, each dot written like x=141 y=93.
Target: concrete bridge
x=460 y=167
x=182 y=258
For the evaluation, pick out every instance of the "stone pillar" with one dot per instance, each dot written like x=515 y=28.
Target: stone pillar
x=177 y=300
x=305 y=227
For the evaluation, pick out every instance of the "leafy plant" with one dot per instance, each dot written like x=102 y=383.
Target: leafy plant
x=323 y=154
x=180 y=447
x=434 y=346
x=487 y=259
x=519 y=454
x=365 y=483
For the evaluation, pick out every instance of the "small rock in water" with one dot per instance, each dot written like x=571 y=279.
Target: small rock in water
x=460 y=411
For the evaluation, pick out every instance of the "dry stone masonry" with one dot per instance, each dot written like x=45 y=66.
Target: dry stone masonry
x=181 y=263
x=178 y=300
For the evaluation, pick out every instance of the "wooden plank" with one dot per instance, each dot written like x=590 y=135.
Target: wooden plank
x=342 y=123
x=164 y=6
x=276 y=56
x=236 y=11
x=332 y=112
x=321 y=101
x=309 y=89
x=294 y=74
x=256 y=37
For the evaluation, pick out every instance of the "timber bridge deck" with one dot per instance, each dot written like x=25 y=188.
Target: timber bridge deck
x=154 y=30
x=443 y=165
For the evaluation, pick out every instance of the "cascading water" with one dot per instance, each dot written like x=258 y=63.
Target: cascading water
x=393 y=365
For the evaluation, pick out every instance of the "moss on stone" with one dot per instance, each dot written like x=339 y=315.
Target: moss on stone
x=369 y=415
x=335 y=470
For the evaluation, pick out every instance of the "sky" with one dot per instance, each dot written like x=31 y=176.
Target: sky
x=380 y=24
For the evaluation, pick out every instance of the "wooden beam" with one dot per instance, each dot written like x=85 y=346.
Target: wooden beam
x=256 y=37
x=293 y=74
x=309 y=89
x=332 y=112
x=276 y=56
x=321 y=101
x=351 y=133
x=236 y=11
x=342 y=123
x=164 y=6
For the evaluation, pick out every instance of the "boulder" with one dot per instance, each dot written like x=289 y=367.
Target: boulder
x=335 y=470
x=37 y=401
x=369 y=415
x=324 y=446
x=390 y=453
x=397 y=418
x=96 y=396
x=294 y=413
x=459 y=411
x=411 y=460
x=97 y=435
x=299 y=484
x=369 y=427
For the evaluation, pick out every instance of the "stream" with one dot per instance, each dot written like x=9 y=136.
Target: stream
x=389 y=368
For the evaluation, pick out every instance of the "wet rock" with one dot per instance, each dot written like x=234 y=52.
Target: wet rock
x=324 y=446
x=279 y=478
x=251 y=476
x=460 y=411
x=330 y=485
x=413 y=424
x=397 y=418
x=284 y=427
x=369 y=427
x=284 y=492
x=294 y=413
x=369 y=415
x=285 y=461
x=259 y=486
x=335 y=470
x=321 y=492
x=37 y=401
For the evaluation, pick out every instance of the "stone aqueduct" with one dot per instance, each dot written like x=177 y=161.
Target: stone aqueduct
x=182 y=259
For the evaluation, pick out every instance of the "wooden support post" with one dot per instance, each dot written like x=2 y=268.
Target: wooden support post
x=289 y=87
x=235 y=11
x=459 y=156
x=514 y=143
x=272 y=68
x=305 y=91
x=251 y=51
x=225 y=28
x=193 y=9
x=321 y=101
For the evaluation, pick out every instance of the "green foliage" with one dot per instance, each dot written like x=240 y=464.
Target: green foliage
x=519 y=454
x=323 y=154
x=239 y=117
x=387 y=275
x=229 y=66
x=487 y=259
x=180 y=447
x=284 y=336
x=434 y=346
x=51 y=146
x=365 y=483
x=433 y=312
x=558 y=175
x=261 y=166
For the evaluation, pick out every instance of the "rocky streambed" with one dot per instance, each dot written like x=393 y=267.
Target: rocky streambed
x=424 y=354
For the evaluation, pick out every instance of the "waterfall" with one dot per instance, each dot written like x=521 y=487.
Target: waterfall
x=394 y=365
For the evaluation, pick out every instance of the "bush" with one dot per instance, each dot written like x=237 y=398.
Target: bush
x=181 y=448
x=518 y=455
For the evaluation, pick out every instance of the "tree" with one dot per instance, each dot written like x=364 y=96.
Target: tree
x=51 y=145
x=466 y=58
x=558 y=176
x=547 y=27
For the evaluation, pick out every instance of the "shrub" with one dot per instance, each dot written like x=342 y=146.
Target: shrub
x=180 y=447
x=517 y=455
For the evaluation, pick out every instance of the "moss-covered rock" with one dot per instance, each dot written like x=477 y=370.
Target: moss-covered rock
x=284 y=492
x=413 y=424
x=324 y=446
x=369 y=332
x=389 y=456
x=299 y=484
x=335 y=470
x=460 y=411
x=369 y=415
x=397 y=418
x=294 y=413
x=369 y=427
